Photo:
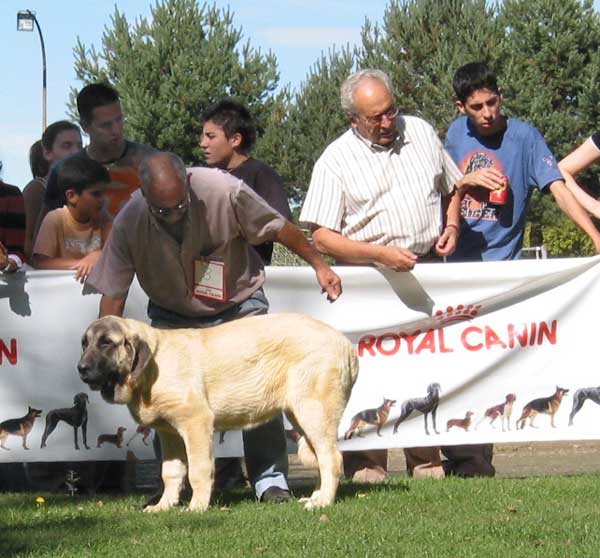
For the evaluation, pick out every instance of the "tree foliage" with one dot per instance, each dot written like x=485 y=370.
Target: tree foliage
x=169 y=68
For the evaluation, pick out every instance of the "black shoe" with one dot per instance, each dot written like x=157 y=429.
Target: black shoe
x=275 y=495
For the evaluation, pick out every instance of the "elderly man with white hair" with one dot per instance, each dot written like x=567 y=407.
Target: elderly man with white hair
x=382 y=194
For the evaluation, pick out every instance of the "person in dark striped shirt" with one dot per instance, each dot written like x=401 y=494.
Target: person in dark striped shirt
x=12 y=227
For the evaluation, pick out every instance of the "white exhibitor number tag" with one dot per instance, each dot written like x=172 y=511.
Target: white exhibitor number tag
x=209 y=279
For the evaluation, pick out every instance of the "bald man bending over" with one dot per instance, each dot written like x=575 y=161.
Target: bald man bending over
x=181 y=223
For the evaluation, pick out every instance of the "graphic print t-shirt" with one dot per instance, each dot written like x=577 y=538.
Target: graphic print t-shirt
x=493 y=232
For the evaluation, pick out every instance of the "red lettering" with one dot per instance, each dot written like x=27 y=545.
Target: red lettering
x=467 y=344
x=410 y=339
x=427 y=343
x=442 y=342
x=549 y=334
x=532 y=337
x=11 y=354
x=521 y=337
x=366 y=344
x=492 y=339
x=391 y=337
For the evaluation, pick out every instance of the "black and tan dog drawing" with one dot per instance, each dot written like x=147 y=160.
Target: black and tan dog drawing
x=189 y=383
x=463 y=423
x=546 y=405
x=502 y=410
x=580 y=397
x=116 y=439
x=76 y=416
x=377 y=417
x=142 y=431
x=18 y=427
x=425 y=405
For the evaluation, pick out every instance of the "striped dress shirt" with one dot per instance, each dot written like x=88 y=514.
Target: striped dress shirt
x=383 y=195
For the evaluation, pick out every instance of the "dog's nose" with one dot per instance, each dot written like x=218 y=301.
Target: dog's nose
x=83 y=370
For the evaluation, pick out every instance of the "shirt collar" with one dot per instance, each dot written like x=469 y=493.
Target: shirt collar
x=376 y=148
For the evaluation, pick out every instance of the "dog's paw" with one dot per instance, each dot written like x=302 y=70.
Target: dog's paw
x=196 y=505
x=163 y=505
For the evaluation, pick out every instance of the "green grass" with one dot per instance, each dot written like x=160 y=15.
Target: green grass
x=547 y=516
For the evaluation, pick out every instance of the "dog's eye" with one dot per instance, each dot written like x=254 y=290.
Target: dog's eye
x=104 y=342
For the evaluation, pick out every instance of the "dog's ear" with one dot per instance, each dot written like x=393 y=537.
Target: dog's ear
x=140 y=355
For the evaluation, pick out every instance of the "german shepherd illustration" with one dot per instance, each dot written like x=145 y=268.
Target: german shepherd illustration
x=425 y=405
x=18 y=427
x=377 y=417
x=546 y=405
x=463 y=423
x=580 y=397
x=502 y=410
x=116 y=439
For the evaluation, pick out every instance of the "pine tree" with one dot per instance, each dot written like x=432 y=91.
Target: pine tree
x=170 y=69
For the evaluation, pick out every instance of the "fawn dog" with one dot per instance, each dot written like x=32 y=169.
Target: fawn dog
x=502 y=410
x=546 y=405
x=187 y=383
x=19 y=427
x=116 y=439
x=377 y=417
x=463 y=423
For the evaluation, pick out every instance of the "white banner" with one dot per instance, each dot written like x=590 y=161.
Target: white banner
x=468 y=341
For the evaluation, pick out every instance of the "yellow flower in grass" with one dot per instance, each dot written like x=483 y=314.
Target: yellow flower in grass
x=40 y=501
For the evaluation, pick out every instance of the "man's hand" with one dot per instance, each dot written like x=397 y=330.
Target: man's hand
x=488 y=177
x=3 y=256
x=447 y=243
x=396 y=258
x=330 y=283
x=85 y=265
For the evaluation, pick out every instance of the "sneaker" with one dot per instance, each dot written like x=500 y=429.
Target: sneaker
x=275 y=495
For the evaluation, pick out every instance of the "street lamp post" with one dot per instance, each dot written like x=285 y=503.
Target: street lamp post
x=25 y=21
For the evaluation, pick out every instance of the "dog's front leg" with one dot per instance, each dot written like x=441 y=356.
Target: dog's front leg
x=84 y=433
x=173 y=471
x=433 y=419
x=75 y=436
x=198 y=437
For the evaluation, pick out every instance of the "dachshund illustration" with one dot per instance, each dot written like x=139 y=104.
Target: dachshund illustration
x=425 y=405
x=547 y=405
x=18 y=427
x=463 y=423
x=580 y=397
x=116 y=439
x=76 y=416
x=378 y=417
x=503 y=410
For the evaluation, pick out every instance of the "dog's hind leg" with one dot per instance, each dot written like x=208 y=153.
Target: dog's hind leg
x=173 y=471
x=578 y=402
x=51 y=423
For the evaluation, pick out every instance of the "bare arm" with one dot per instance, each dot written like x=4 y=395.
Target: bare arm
x=585 y=155
x=568 y=204
x=448 y=241
x=346 y=250
x=112 y=306
x=293 y=239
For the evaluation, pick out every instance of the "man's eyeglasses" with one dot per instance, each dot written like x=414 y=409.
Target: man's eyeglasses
x=376 y=119
x=166 y=211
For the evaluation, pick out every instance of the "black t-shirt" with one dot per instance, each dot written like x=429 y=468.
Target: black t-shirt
x=265 y=181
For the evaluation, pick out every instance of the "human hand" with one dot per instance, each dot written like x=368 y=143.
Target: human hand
x=396 y=258
x=330 y=283
x=447 y=242
x=85 y=265
x=489 y=178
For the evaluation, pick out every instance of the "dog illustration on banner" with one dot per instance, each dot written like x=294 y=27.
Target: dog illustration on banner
x=424 y=405
x=18 y=427
x=463 y=423
x=140 y=431
x=502 y=410
x=546 y=405
x=187 y=383
x=116 y=439
x=75 y=416
x=580 y=397
x=377 y=417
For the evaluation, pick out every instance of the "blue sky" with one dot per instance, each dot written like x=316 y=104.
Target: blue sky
x=297 y=31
